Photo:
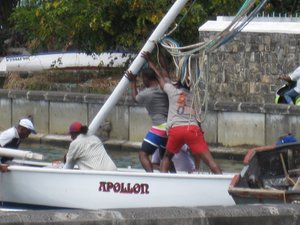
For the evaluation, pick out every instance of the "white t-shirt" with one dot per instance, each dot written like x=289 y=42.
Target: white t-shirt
x=295 y=76
x=88 y=153
x=7 y=136
x=183 y=160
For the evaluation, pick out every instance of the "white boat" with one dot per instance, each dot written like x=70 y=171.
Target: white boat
x=65 y=61
x=126 y=188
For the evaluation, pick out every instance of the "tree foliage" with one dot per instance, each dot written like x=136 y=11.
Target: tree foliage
x=96 y=25
x=6 y=8
x=290 y=7
x=102 y=25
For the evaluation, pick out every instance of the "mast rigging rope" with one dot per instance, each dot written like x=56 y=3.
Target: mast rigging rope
x=192 y=61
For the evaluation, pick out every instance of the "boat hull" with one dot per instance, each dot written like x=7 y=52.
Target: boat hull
x=258 y=196
x=105 y=190
x=270 y=176
x=65 y=61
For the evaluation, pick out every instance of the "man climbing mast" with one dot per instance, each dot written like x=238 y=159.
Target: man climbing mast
x=182 y=125
x=136 y=64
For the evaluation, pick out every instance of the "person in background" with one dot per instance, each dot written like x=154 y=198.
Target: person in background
x=87 y=151
x=290 y=95
x=285 y=139
x=182 y=124
x=12 y=137
x=183 y=161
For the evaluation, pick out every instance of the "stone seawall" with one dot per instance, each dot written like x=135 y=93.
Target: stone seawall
x=226 y=123
x=246 y=69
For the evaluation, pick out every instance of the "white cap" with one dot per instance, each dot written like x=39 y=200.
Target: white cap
x=27 y=124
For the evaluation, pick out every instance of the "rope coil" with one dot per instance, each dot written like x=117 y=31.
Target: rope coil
x=191 y=62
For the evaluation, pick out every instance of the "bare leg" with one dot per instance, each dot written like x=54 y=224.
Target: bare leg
x=166 y=161
x=210 y=162
x=145 y=161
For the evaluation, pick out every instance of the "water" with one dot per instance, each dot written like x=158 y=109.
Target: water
x=123 y=158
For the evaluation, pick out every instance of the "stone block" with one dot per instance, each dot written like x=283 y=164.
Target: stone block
x=120 y=123
x=62 y=114
x=210 y=127
x=278 y=125
x=5 y=114
x=96 y=98
x=236 y=129
x=37 y=109
x=17 y=94
x=140 y=123
x=117 y=119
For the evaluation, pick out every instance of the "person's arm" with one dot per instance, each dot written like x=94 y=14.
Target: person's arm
x=3 y=168
x=161 y=74
x=285 y=77
x=70 y=157
x=70 y=163
x=132 y=79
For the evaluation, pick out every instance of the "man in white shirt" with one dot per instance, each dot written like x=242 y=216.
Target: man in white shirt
x=290 y=95
x=11 y=138
x=87 y=151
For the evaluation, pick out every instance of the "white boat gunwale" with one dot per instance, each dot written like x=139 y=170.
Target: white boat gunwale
x=21 y=168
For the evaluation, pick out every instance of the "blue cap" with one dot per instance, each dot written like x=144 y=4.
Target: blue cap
x=286 y=139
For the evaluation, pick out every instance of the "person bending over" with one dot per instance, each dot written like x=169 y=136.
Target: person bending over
x=182 y=125
x=156 y=103
x=87 y=151
x=12 y=137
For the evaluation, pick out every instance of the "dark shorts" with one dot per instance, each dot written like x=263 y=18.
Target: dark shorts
x=154 y=140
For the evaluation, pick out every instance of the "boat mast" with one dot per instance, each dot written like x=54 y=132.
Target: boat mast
x=137 y=64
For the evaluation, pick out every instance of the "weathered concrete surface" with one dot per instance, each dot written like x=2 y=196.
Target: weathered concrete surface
x=238 y=128
x=227 y=123
x=215 y=215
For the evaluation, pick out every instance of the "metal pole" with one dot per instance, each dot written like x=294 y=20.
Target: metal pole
x=137 y=64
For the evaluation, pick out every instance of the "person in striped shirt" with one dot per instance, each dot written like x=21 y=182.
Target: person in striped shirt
x=87 y=151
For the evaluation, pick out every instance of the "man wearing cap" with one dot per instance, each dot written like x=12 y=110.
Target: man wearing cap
x=87 y=151
x=11 y=138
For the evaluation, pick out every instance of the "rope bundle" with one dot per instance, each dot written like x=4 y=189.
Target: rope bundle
x=192 y=61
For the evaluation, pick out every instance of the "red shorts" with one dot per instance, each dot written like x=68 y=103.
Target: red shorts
x=191 y=135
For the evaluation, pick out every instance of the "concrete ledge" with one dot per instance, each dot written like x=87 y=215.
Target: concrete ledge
x=233 y=153
x=126 y=100
x=233 y=215
x=228 y=124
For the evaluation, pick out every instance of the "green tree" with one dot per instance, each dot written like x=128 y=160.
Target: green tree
x=290 y=7
x=97 y=25
x=102 y=25
x=6 y=8
x=223 y=7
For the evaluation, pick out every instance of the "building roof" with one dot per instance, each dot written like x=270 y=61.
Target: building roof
x=259 y=25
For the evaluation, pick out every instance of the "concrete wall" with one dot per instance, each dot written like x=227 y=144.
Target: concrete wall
x=246 y=68
x=226 y=123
